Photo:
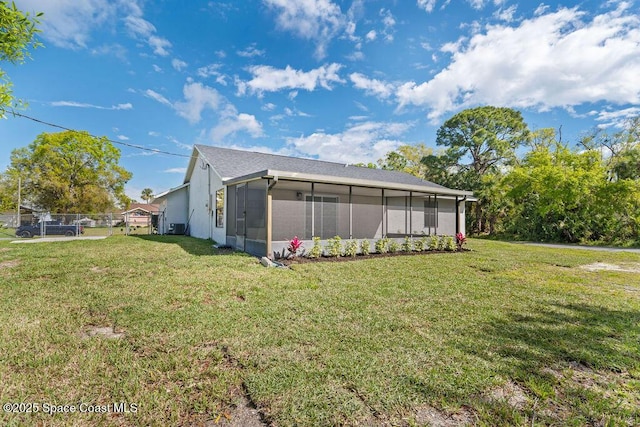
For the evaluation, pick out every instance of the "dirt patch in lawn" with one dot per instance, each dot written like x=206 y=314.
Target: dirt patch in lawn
x=511 y=393
x=107 y=332
x=430 y=416
x=9 y=264
x=629 y=267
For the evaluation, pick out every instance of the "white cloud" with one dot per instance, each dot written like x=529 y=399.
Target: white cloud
x=250 y=52
x=389 y=23
x=557 y=59
x=317 y=20
x=156 y=68
x=69 y=23
x=123 y=137
x=159 y=45
x=506 y=14
x=175 y=170
x=476 y=4
x=617 y=118
x=372 y=86
x=178 y=64
x=362 y=142
x=197 y=97
x=180 y=144
x=371 y=35
x=269 y=79
x=427 y=5
x=127 y=106
x=157 y=97
x=233 y=123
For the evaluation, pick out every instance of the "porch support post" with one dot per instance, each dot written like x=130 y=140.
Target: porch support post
x=411 y=214
x=457 y=216
x=269 y=218
x=313 y=210
x=384 y=217
x=350 y=212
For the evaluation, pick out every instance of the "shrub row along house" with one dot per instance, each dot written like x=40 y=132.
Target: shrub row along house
x=257 y=202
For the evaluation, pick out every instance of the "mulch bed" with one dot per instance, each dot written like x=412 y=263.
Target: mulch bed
x=305 y=260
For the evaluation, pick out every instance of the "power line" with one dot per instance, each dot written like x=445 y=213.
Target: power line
x=53 y=125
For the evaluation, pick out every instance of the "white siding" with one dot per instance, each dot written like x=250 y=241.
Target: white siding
x=173 y=209
x=202 y=198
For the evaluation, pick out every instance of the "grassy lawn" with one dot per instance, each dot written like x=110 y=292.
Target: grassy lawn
x=503 y=335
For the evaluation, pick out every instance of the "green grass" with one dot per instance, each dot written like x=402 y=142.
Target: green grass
x=362 y=342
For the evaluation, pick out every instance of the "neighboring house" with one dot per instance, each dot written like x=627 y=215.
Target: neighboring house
x=257 y=202
x=139 y=214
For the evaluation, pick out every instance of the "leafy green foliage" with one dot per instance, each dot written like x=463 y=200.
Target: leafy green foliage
x=382 y=245
x=351 y=248
x=433 y=243
x=334 y=246
x=365 y=247
x=407 y=244
x=17 y=32
x=316 y=250
x=146 y=195
x=448 y=243
x=419 y=245
x=394 y=246
x=71 y=172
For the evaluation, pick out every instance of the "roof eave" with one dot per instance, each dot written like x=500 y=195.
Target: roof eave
x=297 y=176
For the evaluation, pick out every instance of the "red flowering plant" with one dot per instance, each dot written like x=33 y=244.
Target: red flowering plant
x=294 y=246
x=460 y=240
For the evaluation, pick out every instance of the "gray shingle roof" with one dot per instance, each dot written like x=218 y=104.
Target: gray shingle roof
x=232 y=164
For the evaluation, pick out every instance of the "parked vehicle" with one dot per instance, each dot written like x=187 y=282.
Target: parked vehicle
x=50 y=228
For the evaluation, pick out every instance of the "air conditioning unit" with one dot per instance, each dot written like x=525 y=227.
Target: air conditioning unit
x=176 y=228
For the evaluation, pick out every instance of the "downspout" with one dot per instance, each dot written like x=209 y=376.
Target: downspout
x=458 y=202
x=270 y=215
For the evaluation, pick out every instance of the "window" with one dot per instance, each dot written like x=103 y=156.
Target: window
x=220 y=208
x=325 y=216
x=431 y=212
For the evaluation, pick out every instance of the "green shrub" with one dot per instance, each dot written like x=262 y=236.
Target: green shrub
x=433 y=243
x=316 y=250
x=365 y=247
x=334 y=246
x=407 y=245
x=394 y=246
x=449 y=243
x=350 y=248
x=381 y=245
x=420 y=244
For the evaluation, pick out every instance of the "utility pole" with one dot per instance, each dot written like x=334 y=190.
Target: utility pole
x=18 y=222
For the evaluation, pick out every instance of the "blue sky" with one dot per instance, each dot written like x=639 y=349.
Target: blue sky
x=342 y=81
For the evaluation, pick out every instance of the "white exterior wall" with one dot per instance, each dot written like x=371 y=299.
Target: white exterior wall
x=173 y=209
x=202 y=198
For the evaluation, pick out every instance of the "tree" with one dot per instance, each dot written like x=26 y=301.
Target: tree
x=562 y=195
x=146 y=195
x=70 y=172
x=407 y=158
x=17 y=32
x=479 y=141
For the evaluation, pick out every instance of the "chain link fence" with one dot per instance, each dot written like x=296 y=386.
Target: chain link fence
x=39 y=225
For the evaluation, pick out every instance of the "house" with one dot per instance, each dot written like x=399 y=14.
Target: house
x=173 y=210
x=257 y=202
x=140 y=214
